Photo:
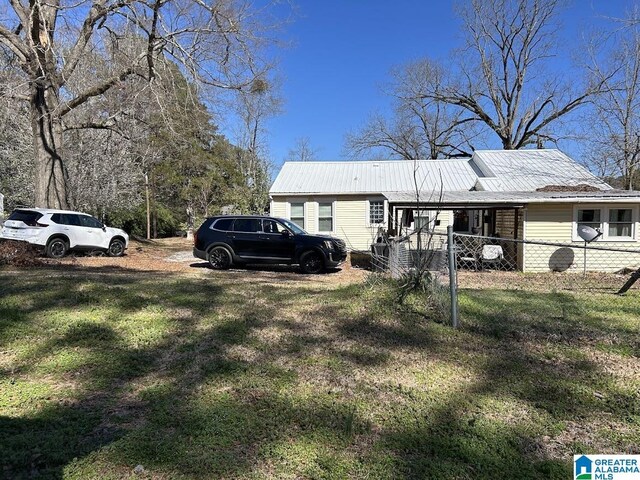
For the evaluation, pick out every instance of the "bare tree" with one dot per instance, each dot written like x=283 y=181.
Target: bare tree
x=422 y=126
x=214 y=42
x=16 y=156
x=104 y=174
x=254 y=107
x=502 y=82
x=16 y=147
x=302 y=151
x=614 y=130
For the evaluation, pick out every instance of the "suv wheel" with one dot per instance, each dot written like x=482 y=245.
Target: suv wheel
x=116 y=248
x=57 y=248
x=220 y=258
x=311 y=262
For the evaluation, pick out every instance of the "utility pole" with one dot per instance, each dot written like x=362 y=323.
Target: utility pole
x=146 y=190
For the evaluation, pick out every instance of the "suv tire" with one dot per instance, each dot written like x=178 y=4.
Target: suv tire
x=116 y=248
x=56 y=248
x=311 y=262
x=220 y=258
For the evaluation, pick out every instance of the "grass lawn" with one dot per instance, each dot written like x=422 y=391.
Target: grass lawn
x=245 y=375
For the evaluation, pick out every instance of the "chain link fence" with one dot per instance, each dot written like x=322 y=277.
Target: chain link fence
x=421 y=260
x=481 y=262
x=536 y=264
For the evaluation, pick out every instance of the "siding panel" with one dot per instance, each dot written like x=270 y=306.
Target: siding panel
x=554 y=223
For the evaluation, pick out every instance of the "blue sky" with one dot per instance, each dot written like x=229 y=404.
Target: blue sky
x=342 y=51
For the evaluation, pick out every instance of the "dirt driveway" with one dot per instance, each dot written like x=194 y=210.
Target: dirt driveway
x=174 y=255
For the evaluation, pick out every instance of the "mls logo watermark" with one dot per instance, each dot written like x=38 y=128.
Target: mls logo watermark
x=606 y=467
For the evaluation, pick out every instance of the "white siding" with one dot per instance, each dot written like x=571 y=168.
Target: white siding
x=554 y=223
x=351 y=217
x=279 y=208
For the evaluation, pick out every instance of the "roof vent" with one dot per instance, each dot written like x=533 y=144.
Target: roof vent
x=376 y=164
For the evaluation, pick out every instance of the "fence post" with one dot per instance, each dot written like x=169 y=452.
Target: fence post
x=452 y=277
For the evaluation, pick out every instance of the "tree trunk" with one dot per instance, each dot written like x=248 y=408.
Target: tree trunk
x=50 y=175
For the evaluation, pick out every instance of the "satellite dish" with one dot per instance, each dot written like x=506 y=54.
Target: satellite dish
x=587 y=233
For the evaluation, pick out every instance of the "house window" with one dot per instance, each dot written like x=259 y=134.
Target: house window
x=297 y=214
x=615 y=223
x=620 y=222
x=589 y=217
x=376 y=212
x=325 y=217
x=421 y=219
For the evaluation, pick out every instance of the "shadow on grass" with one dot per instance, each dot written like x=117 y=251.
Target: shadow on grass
x=182 y=376
x=187 y=361
x=265 y=267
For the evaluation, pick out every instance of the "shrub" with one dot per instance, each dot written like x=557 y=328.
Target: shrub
x=134 y=220
x=426 y=290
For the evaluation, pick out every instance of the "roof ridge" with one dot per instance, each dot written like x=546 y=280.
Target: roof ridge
x=502 y=150
x=343 y=162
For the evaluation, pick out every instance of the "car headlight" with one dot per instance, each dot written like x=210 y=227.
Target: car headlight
x=328 y=244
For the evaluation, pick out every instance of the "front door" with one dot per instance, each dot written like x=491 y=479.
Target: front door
x=277 y=240
x=92 y=233
x=467 y=221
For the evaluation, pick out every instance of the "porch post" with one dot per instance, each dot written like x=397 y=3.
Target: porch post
x=396 y=222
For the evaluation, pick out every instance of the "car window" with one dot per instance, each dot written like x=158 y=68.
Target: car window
x=28 y=217
x=247 y=225
x=223 y=224
x=294 y=227
x=71 y=219
x=87 y=221
x=65 y=219
x=271 y=226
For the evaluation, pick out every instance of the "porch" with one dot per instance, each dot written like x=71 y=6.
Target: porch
x=499 y=223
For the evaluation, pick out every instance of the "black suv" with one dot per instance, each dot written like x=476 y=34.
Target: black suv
x=228 y=240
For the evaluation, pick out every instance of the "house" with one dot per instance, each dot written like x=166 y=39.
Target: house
x=511 y=194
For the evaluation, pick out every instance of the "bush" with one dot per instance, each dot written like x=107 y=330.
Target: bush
x=19 y=254
x=134 y=221
x=424 y=290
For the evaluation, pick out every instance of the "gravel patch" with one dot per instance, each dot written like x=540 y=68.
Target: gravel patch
x=182 y=257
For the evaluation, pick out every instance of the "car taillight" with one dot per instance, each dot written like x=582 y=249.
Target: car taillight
x=33 y=223
x=195 y=238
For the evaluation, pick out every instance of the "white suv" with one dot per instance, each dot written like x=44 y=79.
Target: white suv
x=61 y=230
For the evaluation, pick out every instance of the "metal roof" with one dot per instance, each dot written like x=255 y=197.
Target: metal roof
x=514 y=198
x=374 y=177
x=527 y=170
x=488 y=170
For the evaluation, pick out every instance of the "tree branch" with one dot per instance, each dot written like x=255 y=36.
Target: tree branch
x=94 y=91
x=14 y=43
x=22 y=12
x=97 y=12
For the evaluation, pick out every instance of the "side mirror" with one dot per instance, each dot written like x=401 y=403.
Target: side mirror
x=104 y=228
x=286 y=233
